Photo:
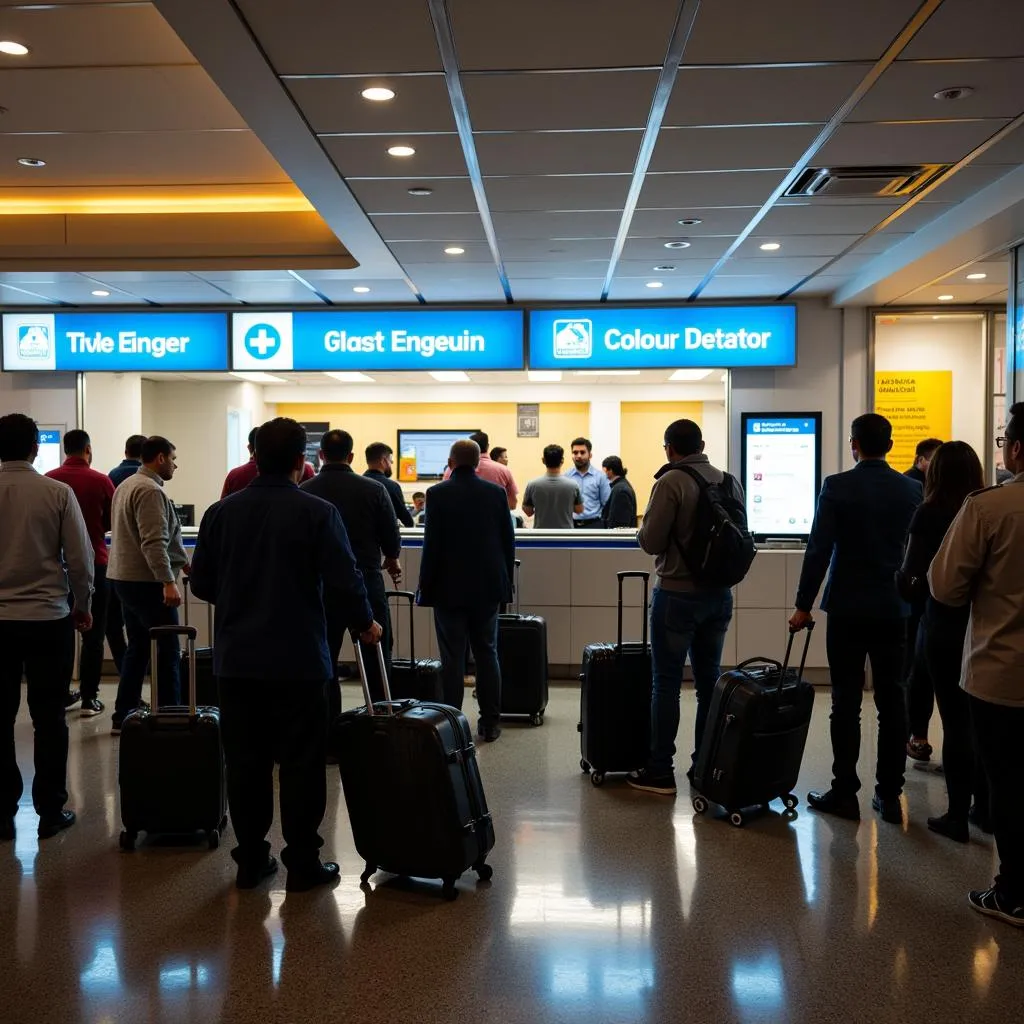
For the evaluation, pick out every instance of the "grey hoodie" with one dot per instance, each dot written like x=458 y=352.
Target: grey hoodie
x=145 y=534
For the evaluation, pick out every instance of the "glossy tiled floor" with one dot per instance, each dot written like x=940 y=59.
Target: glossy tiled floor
x=606 y=905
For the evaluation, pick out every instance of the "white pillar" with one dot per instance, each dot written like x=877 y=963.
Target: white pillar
x=605 y=428
x=113 y=411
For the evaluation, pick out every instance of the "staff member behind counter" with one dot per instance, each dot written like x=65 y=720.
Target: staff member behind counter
x=593 y=484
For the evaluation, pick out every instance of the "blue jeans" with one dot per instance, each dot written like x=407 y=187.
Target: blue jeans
x=479 y=627
x=143 y=606
x=682 y=623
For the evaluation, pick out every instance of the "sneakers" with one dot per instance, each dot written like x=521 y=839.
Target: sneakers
x=73 y=697
x=889 y=807
x=91 y=708
x=663 y=785
x=835 y=803
x=49 y=827
x=992 y=903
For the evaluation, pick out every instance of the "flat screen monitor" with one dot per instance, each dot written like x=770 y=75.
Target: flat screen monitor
x=50 y=452
x=781 y=469
x=423 y=454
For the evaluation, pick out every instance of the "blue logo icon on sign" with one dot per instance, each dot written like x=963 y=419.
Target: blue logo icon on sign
x=262 y=341
x=34 y=341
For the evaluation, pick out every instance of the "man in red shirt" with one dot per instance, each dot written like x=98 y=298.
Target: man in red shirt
x=94 y=492
x=241 y=476
x=493 y=472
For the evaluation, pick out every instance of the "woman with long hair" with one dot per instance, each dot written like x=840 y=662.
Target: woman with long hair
x=954 y=473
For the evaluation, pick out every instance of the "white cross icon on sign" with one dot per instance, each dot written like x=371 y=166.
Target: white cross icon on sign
x=262 y=342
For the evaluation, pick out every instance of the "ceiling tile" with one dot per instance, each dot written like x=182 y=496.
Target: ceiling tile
x=917 y=216
x=169 y=293
x=222 y=277
x=429 y=227
x=635 y=288
x=336 y=104
x=260 y=292
x=22 y=295
x=556 y=248
x=612 y=99
x=970 y=28
x=461 y=291
x=652 y=250
x=971 y=292
x=798 y=245
x=128 y=278
x=535 y=289
x=997 y=271
x=722 y=149
x=597 y=192
x=738 y=31
x=713 y=221
x=380 y=291
x=740 y=287
x=568 y=34
x=772 y=266
x=558 y=152
x=391 y=195
x=305 y=37
x=821 y=285
x=361 y=156
x=760 y=95
x=630 y=266
x=868 y=145
x=738 y=188
x=563 y=225
x=1009 y=151
x=841 y=218
x=433 y=252
x=560 y=269
x=967 y=181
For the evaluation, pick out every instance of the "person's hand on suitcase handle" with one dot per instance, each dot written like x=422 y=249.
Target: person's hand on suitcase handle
x=82 y=621
x=172 y=595
x=372 y=635
x=800 y=620
x=394 y=569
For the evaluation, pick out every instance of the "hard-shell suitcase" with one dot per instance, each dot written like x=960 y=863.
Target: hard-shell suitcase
x=755 y=735
x=615 y=700
x=206 y=681
x=413 y=789
x=523 y=657
x=412 y=678
x=170 y=766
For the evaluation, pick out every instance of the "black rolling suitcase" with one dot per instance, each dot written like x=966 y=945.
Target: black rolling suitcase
x=206 y=682
x=754 y=740
x=170 y=766
x=615 y=700
x=523 y=657
x=413 y=789
x=412 y=678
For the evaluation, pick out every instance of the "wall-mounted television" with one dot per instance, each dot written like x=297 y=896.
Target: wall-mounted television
x=781 y=470
x=51 y=453
x=423 y=454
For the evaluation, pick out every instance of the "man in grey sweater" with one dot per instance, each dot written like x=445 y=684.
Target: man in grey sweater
x=146 y=557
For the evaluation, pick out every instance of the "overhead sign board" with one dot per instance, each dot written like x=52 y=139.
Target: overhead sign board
x=134 y=342
x=624 y=337
x=464 y=339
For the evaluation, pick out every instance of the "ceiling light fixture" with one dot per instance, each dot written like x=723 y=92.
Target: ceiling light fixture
x=691 y=375
x=664 y=266
x=679 y=244
x=401 y=151
x=976 y=277
x=945 y=298
x=689 y=222
x=351 y=377
x=378 y=94
x=13 y=49
x=258 y=377
x=655 y=284
x=420 y=190
x=770 y=246
x=956 y=92
x=450 y=376
x=544 y=376
x=360 y=289
x=100 y=293
x=31 y=161
x=454 y=250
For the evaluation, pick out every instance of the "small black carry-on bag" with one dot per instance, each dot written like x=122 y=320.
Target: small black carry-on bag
x=615 y=700
x=206 y=682
x=413 y=789
x=170 y=765
x=523 y=656
x=754 y=740
x=412 y=678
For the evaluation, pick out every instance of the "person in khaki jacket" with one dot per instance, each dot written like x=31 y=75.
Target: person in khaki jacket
x=981 y=563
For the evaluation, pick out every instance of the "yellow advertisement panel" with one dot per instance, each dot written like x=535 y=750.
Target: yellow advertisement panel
x=919 y=404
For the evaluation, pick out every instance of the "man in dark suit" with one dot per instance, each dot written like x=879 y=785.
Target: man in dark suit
x=857 y=538
x=466 y=570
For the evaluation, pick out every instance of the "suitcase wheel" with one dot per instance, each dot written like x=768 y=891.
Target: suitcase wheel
x=736 y=819
x=597 y=778
x=449 y=891
x=213 y=838
x=536 y=719
x=584 y=766
x=791 y=801
x=700 y=805
x=368 y=872
x=485 y=871
x=127 y=840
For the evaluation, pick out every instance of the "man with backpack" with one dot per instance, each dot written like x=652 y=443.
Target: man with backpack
x=695 y=526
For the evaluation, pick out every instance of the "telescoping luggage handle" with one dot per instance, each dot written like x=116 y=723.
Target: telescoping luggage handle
x=515 y=582
x=640 y=574
x=189 y=633
x=783 y=666
x=405 y=595
x=209 y=611
x=367 y=697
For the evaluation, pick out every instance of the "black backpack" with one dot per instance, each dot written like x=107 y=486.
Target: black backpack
x=721 y=548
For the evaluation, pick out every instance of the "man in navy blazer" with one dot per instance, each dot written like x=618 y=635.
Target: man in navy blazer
x=857 y=538
x=466 y=571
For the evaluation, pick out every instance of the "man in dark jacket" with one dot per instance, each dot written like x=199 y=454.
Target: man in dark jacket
x=857 y=538
x=372 y=529
x=469 y=551
x=620 y=508
x=380 y=460
x=264 y=557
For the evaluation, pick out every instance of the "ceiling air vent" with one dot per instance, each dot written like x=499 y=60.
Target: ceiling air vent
x=865 y=182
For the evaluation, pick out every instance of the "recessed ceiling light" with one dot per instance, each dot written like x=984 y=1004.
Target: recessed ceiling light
x=976 y=277
x=378 y=94
x=258 y=377
x=360 y=289
x=450 y=376
x=544 y=376
x=454 y=250
x=679 y=244
x=945 y=298
x=12 y=48
x=401 y=151
x=31 y=161
x=770 y=246
x=655 y=284
x=956 y=92
x=689 y=222
x=420 y=190
x=690 y=375
x=100 y=293
x=664 y=266
x=351 y=377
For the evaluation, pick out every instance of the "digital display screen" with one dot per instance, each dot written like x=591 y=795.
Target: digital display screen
x=423 y=454
x=50 y=454
x=781 y=472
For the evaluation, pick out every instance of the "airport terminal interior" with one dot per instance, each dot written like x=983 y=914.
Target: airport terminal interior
x=415 y=220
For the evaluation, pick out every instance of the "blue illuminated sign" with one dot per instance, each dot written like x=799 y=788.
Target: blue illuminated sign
x=118 y=342
x=463 y=339
x=800 y=425
x=702 y=337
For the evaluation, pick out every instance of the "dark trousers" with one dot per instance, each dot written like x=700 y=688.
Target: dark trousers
x=115 y=627
x=920 y=691
x=90 y=664
x=261 y=719
x=849 y=641
x=144 y=608
x=336 y=629
x=455 y=627
x=997 y=732
x=941 y=639
x=44 y=653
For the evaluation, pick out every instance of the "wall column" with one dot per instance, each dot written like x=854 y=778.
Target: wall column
x=113 y=410
x=605 y=428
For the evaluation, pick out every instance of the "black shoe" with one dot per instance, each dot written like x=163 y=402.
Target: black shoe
x=994 y=904
x=663 y=785
x=6 y=830
x=249 y=876
x=73 y=697
x=951 y=828
x=92 y=708
x=49 y=827
x=324 y=874
x=889 y=807
x=977 y=817
x=490 y=733
x=835 y=803
x=919 y=750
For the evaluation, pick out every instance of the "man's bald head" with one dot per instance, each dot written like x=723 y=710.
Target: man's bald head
x=464 y=453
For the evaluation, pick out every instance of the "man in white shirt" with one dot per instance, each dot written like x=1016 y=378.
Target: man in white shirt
x=593 y=484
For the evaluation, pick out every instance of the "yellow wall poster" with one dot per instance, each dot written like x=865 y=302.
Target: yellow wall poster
x=918 y=404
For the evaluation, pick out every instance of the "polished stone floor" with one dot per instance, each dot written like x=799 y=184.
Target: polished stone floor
x=606 y=905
